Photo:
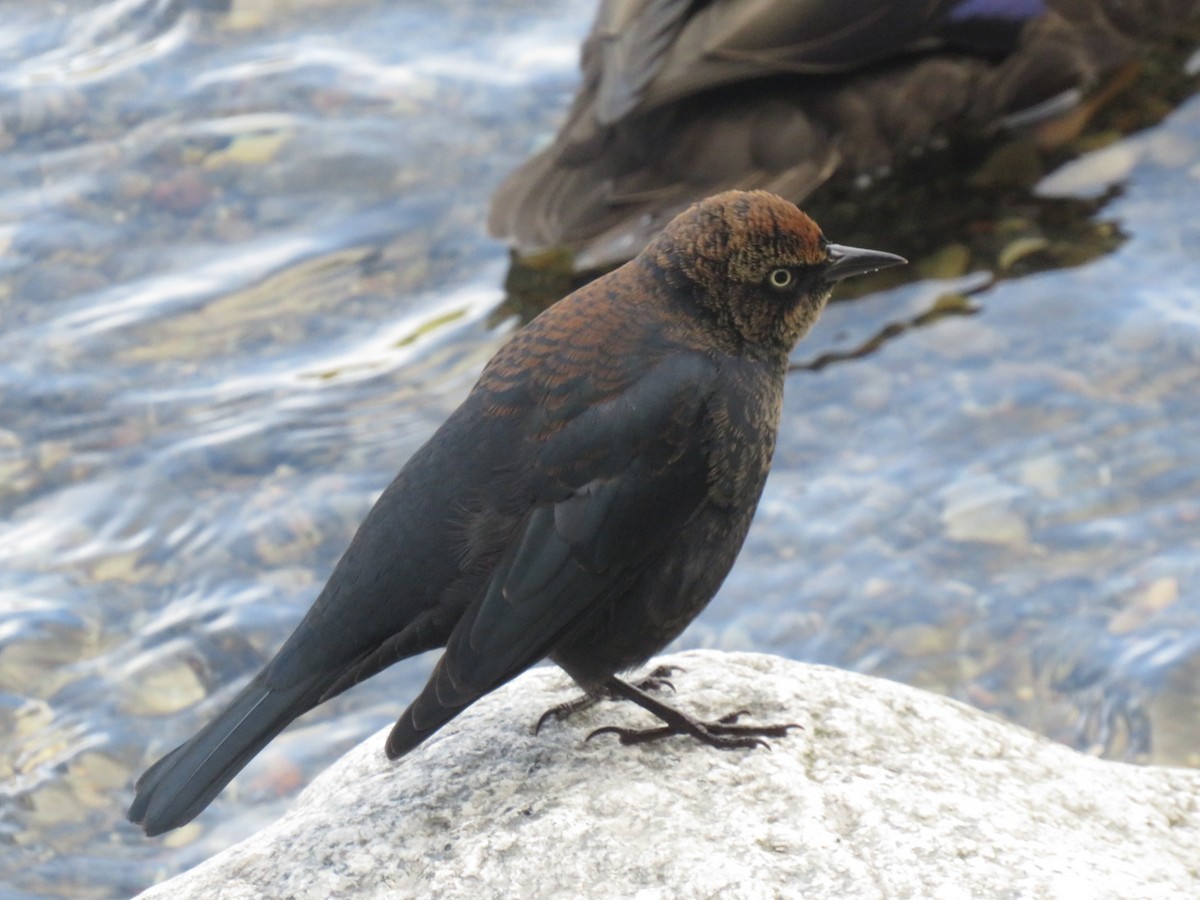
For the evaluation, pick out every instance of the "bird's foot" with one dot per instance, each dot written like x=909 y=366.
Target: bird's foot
x=657 y=680
x=723 y=734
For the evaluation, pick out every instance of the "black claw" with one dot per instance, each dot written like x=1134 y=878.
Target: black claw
x=655 y=684
x=658 y=679
x=565 y=710
x=607 y=729
x=662 y=672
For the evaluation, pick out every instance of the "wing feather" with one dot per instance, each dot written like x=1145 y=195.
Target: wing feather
x=601 y=520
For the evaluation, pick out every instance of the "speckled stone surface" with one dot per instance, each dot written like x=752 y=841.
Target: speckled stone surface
x=887 y=791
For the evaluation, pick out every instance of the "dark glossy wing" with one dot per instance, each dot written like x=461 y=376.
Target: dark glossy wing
x=614 y=487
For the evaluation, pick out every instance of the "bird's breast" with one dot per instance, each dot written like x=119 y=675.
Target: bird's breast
x=742 y=421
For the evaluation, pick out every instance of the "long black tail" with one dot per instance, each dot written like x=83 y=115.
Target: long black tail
x=179 y=786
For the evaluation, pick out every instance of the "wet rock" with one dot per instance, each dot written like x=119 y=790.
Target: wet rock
x=36 y=645
x=160 y=682
x=183 y=194
x=886 y=791
x=249 y=150
x=981 y=509
x=1148 y=602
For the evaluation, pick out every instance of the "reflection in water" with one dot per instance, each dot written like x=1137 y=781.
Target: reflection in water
x=244 y=274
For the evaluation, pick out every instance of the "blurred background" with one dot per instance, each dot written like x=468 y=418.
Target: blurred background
x=245 y=271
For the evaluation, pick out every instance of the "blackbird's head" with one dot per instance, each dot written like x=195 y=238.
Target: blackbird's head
x=757 y=266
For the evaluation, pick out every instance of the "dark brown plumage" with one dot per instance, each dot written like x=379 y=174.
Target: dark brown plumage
x=683 y=98
x=583 y=504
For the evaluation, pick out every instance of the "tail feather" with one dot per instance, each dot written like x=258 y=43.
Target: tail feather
x=415 y=725
x=439 y=702
x=179 y=786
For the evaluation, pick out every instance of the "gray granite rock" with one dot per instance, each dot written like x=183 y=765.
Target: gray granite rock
x=887 y=791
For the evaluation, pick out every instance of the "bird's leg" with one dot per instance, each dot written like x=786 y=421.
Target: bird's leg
x=658 y=679
x=723 y=733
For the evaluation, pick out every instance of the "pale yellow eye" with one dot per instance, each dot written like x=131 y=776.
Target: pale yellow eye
x=780 y=278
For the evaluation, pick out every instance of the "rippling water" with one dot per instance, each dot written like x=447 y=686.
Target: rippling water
x=243 y=274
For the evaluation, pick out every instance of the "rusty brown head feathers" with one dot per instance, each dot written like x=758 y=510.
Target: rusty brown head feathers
x=759 y=264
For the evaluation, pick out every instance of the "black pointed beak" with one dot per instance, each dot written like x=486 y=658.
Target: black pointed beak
x=846 y=262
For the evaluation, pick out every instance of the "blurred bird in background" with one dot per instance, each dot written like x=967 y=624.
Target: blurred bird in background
x=683 y=98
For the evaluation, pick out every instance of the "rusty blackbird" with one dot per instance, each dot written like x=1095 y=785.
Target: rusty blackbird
x=584 y=503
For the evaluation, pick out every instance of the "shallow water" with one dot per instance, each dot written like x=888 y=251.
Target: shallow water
x=245 y=274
